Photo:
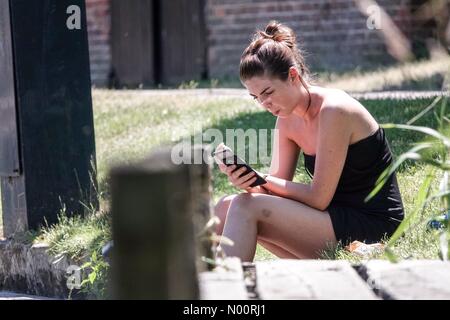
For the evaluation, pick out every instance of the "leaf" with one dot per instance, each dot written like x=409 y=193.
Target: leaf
x=222 y=239
x=422 y=113
x=438 y=195
x=421 y=201
x=212 y=222
x=92 y=277
x=409 y=155
x=208 y=260
x=84 y=282
x=390 y=255
x=428 y=131
x=209 y=225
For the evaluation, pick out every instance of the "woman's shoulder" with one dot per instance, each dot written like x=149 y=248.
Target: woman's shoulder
x=339 y=102
x=340 y=106
x=337 y=99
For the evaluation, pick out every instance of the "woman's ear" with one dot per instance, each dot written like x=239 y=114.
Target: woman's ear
x=293 y=74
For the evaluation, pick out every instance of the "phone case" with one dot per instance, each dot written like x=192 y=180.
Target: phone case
x=229 y=158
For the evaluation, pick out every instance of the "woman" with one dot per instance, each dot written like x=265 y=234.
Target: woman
x=345 y=152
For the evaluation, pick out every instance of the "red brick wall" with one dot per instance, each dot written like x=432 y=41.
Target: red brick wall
x=333 y=32
x=99 y=27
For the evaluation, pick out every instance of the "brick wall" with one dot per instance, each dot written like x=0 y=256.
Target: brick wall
x=333 y=32
x=99 y=26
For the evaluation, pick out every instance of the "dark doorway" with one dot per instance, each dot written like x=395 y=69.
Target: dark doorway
x=157 y=42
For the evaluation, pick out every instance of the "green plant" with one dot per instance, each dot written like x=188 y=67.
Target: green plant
x=189 y=85
x=96 y=283
x=214 y=83
x=434 y=153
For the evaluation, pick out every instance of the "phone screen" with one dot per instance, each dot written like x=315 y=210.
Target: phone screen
x=228 y=158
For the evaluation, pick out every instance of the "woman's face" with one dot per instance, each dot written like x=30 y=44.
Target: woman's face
x=277 y=96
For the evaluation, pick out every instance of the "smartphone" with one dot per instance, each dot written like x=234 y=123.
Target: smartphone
x=228 y=157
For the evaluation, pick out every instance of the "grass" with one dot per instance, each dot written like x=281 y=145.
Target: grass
x=419 y=75
x=129 y=124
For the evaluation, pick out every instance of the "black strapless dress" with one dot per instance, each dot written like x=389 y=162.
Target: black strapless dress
x=352 y=218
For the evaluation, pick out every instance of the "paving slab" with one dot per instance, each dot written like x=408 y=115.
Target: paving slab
x=310 y=280
x=5 y=295
x=410 y=280
x=224 y=283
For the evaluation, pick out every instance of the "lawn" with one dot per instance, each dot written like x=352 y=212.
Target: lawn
x=129 y=124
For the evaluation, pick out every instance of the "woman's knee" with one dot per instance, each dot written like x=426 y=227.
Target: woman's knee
x=221 y=210
x=244 y=202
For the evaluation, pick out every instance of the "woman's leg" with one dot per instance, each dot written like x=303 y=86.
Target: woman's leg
x=300 y=231
x=221 y=210
x=277 y=250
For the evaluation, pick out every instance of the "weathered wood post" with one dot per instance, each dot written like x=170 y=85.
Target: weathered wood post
x=154 y=242
x=47 y=149
x=200 y=172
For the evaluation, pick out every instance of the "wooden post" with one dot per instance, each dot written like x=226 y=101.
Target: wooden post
x=154 y=246
x=47 y=148
x=200 y=172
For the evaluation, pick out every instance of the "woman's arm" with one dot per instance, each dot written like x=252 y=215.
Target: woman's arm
x=285 y=154
x=333 y=141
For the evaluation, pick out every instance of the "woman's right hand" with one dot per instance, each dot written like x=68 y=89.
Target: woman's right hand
x=234 y=176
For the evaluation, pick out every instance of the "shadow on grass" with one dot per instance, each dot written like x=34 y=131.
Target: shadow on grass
x=384 y=111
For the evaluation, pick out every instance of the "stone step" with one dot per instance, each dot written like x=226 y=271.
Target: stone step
x=225 y=283
x=310 y=279
x=410 y=280
x=5 y=295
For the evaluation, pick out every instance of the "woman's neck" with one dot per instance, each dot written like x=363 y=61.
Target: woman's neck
x=313 y=100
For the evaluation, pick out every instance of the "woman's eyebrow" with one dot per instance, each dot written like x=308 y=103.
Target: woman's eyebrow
x=264 y=90
x=261 y=92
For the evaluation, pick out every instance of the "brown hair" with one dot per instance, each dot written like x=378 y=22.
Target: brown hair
x=272 y=52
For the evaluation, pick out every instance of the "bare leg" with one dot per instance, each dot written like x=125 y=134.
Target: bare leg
x=277 y=250
x=299 y=230
x=221 y=211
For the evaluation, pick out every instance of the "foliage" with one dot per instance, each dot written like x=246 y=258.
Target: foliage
x=96 y=282
x=435 y=154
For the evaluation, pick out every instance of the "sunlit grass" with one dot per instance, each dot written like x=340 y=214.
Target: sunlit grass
x=129 y=124
x=420 y=75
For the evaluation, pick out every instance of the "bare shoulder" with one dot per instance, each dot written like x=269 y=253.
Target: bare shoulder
x=340 y=101
x=337 y=105
x=340 y=106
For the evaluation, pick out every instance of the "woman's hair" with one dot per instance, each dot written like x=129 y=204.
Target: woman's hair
x=272 y=52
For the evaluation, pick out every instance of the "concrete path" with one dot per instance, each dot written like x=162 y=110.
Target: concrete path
x=401 y=94
x=328 y=279
x=5 y=295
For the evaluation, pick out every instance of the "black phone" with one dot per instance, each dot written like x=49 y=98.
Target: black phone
x=229 y=158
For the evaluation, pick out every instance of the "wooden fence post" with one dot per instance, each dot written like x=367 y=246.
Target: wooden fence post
x=47 y=145
x=154 y=246
x=200 y=172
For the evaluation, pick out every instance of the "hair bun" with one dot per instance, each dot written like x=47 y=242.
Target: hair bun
x=279 y=33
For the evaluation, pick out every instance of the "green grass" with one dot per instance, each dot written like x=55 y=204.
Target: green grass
x=426 y=74
x=130 y=123
x=418 y=75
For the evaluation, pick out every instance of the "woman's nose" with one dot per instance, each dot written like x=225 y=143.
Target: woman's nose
x=266 y=103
